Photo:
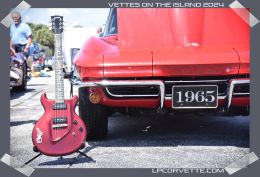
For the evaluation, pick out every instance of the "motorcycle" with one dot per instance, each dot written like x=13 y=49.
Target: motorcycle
x=18 y=71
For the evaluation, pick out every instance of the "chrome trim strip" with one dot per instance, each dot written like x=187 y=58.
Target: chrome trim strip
x=241 y=93
x=120 y=96
x=104 y=83
x=231 y=88
x=196 y=81
x=219 y=97
x=222 y=97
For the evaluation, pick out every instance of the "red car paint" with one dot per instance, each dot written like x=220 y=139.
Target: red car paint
x=168 y=44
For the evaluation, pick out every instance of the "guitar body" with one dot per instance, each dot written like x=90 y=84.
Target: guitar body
x=59 y=131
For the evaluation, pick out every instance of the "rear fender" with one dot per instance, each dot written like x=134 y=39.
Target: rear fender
x=89 y=61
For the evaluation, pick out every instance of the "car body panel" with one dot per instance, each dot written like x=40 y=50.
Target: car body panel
x=146 y=29
x=169 y=44
x=125 y=64
x=206 y=61
x=74 y=38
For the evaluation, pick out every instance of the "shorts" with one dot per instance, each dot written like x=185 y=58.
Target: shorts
x=29 y=61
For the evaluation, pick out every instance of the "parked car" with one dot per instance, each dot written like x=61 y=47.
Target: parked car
x=49 y=62
x=38 y=55
x=176 y=60
x=18 y=72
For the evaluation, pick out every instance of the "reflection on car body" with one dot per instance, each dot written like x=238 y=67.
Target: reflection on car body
x=155 y=58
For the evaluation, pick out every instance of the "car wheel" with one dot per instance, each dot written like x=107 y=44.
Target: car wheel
x=95 y=116
x=24 y=80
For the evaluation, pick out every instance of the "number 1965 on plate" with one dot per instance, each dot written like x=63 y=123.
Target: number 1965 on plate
x=190 y=96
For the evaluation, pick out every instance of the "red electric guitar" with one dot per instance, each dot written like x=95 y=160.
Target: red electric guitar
x=59 y=131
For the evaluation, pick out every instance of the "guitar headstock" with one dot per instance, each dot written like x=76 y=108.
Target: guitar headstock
x=57 y=24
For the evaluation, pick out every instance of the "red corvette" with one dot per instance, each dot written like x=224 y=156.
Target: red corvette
x=164 y=59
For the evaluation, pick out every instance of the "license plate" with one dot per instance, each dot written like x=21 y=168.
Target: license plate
x=190 y=96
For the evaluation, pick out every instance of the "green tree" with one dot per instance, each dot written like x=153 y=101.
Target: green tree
x=42 y=35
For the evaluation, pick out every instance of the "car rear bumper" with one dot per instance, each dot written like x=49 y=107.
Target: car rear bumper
x=235 y=92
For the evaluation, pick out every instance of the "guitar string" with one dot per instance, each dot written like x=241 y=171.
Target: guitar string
x=55 y=132
x=57 y=91
x=60 y=91
x=59 y=85
x=57 y=82
x=55 y=103
x=59 y=88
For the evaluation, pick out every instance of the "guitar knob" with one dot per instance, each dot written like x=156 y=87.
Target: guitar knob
x=73 y=134
x=80 y=129
x=75 y=122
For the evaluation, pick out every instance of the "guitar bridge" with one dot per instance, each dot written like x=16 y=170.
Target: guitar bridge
x=59 y=106
x=59 y=125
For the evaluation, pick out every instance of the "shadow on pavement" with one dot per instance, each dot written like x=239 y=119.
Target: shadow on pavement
x=78 y=159
x=66 y=161
x=17 y=123
x=17 y=94
x=184 y=130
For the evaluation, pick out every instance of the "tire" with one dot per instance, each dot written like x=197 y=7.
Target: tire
x=24 y=80
x=94 y=115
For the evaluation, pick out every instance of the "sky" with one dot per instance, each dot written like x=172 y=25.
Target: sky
x=86 y=17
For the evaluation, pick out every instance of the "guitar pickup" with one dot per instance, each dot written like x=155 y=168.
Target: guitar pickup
x=59 y=125
x=59 y=120
x=59 y=106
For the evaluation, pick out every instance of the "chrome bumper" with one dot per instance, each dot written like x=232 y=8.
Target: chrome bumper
x=231 y=89
x=159 y=83
x=105 y=83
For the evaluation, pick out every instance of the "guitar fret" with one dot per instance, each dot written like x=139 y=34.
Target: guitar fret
x=59 y=80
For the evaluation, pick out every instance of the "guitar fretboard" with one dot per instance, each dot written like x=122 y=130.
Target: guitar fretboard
x=59 y=80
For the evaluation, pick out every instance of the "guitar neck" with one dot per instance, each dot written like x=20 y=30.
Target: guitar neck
x=59 y=79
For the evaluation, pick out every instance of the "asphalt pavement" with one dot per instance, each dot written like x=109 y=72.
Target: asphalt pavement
x=172 y=141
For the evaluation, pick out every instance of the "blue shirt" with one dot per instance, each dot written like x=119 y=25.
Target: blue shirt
x=20 y=34
x=34 y=47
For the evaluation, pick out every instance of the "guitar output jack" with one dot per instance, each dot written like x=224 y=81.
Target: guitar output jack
x=35 y=149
